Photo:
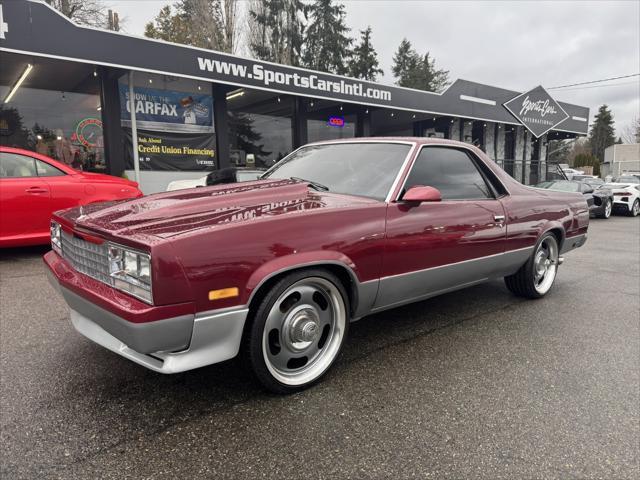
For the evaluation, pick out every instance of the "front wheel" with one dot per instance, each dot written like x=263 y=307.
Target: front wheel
x=606 y=210
x=297 y=331
x=535 y=278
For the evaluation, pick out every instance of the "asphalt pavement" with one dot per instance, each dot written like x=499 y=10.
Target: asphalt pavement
x=473 y=384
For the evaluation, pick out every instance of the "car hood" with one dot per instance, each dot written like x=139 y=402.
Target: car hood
x=178 y=212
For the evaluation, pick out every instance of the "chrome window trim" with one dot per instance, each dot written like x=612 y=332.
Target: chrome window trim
x=402 y=169
x=464 y=147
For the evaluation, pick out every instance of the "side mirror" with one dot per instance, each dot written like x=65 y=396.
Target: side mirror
x=419 y=194
x=587 y=190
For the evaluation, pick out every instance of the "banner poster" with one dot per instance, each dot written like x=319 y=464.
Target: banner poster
x=172 y=150
x=167 y=110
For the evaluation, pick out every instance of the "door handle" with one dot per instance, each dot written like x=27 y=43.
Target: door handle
x=36 y=190
x=498 y=218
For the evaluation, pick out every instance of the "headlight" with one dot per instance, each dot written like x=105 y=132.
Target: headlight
x=56 y=237
x=130 y=271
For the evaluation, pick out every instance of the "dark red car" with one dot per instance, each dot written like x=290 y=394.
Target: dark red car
x=32 y=186
x=277 y=268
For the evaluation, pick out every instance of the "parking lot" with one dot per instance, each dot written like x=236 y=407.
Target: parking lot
x=473 y=384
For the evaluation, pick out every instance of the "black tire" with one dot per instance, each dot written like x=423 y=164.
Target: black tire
x=253 y=346
x=607 y=208
x=635 y=208
x=523 y=282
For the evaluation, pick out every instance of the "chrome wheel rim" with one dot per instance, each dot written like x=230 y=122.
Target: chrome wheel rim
x=636 y=208
x=303 y=331
x=607 y=209
x=545 y=265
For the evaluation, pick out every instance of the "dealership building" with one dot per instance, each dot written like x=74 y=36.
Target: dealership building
x=66 y=90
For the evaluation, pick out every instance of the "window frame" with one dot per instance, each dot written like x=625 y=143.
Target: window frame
x=474 y=161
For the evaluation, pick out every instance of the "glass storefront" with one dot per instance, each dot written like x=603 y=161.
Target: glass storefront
x=327 y=120
x=260 y=127
x=54 y=111
x=174 y=119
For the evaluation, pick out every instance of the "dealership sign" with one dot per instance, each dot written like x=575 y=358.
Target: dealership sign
x=537 y=111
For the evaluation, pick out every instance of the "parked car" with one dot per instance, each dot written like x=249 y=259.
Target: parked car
x=599 y=200
x=627 y=179
x=626 y=198
x=218 y=177
x=277 y=268
x=570 y=172
x=32 y=186
x=582 y=178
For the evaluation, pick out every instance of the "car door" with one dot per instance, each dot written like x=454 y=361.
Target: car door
x=24 y=198
x=438 y=246
x=66 y=190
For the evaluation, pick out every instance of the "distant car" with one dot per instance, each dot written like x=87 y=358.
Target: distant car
x=627 y=179
x=218 y=177
x=570 y=172
x=582 y=178
x=33 y=186
x=595 y=182
x=626 y=198
x=599 y=200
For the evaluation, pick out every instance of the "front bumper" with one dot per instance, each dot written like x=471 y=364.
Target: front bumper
x=170 y=345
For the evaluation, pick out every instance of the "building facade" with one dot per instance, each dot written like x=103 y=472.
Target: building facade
x=67 y=91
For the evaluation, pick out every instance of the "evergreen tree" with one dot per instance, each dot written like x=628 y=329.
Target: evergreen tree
x=276 y=30
x=364 y=63
x=326 y=45
x=415 y=71
x=601 y=134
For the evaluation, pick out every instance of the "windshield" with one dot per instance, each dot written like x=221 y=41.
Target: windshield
x=561 y=186
x=363 y=169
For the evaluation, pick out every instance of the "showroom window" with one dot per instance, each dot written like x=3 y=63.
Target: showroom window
x=327 y=120
x=174 y=119
x=52 y=108
x=260 y=127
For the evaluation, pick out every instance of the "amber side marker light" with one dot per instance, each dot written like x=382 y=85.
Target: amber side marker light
x=223 y=293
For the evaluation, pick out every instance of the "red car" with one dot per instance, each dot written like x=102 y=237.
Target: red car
x=32 y=186
x=277 y=268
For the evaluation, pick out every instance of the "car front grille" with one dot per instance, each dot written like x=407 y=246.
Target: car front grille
x=86 y=257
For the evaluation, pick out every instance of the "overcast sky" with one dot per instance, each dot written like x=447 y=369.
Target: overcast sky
x=515 y=45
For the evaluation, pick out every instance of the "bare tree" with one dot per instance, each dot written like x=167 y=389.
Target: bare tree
x=631 y=132
x=94 y=13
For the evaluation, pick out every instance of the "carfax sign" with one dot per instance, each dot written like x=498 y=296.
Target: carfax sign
x=166 y=110
x=537 y=111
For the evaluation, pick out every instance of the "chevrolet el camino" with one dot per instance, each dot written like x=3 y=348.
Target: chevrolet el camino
x=276 y=269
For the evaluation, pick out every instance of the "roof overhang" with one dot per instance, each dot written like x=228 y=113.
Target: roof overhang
x=32 y=27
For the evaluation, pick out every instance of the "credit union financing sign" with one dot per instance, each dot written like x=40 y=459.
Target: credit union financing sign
x=537 y=111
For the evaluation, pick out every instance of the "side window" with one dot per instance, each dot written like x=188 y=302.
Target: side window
x=449 y=170
x=13 y=165
x=46 y=170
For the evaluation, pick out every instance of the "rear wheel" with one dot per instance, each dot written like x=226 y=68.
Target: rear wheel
x=635 y=208
x=535 y=278
x=297 y=331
